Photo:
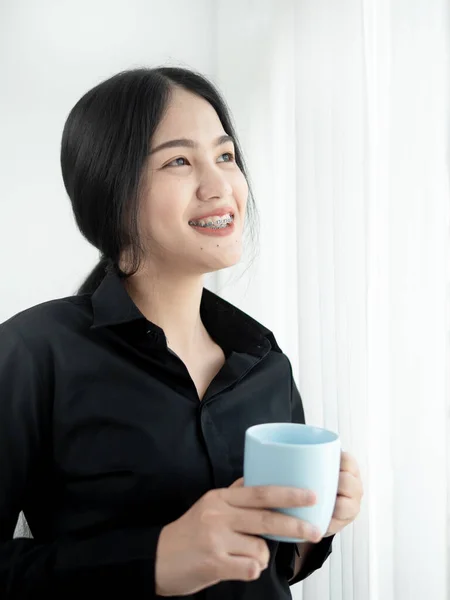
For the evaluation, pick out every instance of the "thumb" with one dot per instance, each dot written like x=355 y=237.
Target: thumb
x=238 y=483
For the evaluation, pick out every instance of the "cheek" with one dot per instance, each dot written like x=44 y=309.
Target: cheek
x=161 y=210
x=241 y=193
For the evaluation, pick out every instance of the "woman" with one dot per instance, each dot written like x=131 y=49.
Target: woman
x=123 y=409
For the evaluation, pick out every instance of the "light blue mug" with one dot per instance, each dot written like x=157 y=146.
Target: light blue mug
x=295 y=455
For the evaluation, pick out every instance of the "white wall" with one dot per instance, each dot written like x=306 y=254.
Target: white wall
x=51 y=53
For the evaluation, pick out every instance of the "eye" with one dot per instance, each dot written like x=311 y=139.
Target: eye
x=230 y=154
x=173 y=162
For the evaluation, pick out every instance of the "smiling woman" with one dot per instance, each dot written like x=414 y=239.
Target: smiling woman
x=124 y=409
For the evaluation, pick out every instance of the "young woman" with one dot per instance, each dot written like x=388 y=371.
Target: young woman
x=123 y=409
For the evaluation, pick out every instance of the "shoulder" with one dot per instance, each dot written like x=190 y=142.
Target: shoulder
x=39 y=324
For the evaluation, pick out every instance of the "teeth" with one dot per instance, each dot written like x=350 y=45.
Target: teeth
x=213 y=222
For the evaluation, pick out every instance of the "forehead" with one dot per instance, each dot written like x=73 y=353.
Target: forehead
x=188 y=115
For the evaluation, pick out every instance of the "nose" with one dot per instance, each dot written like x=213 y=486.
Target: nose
x=213 y=185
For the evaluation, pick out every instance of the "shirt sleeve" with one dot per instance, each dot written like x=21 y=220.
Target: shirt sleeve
x=109 y=563
x=313 y=561
x=322 y=550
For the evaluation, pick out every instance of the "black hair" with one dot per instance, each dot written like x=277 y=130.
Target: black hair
x=105 y=143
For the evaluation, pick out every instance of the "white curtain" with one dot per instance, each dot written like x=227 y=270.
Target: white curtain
x=342 y=109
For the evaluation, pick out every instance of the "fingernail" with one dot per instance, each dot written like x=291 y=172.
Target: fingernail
x=311 y=497
x=316 y=534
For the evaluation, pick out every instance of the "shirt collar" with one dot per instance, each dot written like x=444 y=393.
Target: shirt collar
x=229 y=326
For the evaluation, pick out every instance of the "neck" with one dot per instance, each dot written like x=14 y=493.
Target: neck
x=173 y=303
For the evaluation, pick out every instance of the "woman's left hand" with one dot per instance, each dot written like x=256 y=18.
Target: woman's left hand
x=349 y=495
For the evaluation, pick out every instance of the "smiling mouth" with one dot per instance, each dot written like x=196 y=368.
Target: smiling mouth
x=214 y=222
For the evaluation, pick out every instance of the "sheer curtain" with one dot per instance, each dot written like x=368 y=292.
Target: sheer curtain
x=342 y=108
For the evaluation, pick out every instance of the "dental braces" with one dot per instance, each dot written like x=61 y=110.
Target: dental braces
x=220 y=224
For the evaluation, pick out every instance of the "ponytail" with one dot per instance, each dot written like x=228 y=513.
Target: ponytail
x=95 y=277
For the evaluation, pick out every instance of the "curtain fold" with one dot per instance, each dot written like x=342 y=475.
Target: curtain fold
x=342 y=109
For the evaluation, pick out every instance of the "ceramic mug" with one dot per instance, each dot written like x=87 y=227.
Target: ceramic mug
x=295 y=455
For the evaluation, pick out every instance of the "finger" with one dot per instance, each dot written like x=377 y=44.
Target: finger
x=349 y=485
x=270 y=522
x=267 y=496
x=238 y=568
x=251 y=546
x=345 y=509
x=238 y=483
x=348 y=463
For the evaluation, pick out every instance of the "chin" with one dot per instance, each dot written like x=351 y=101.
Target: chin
x=224 y=262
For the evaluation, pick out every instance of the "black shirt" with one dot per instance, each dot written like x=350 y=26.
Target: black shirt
x=103 y=441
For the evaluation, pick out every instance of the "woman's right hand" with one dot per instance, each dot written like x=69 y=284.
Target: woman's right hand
x=217 y=538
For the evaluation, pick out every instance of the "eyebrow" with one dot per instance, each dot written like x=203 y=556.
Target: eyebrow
x=187 y=143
